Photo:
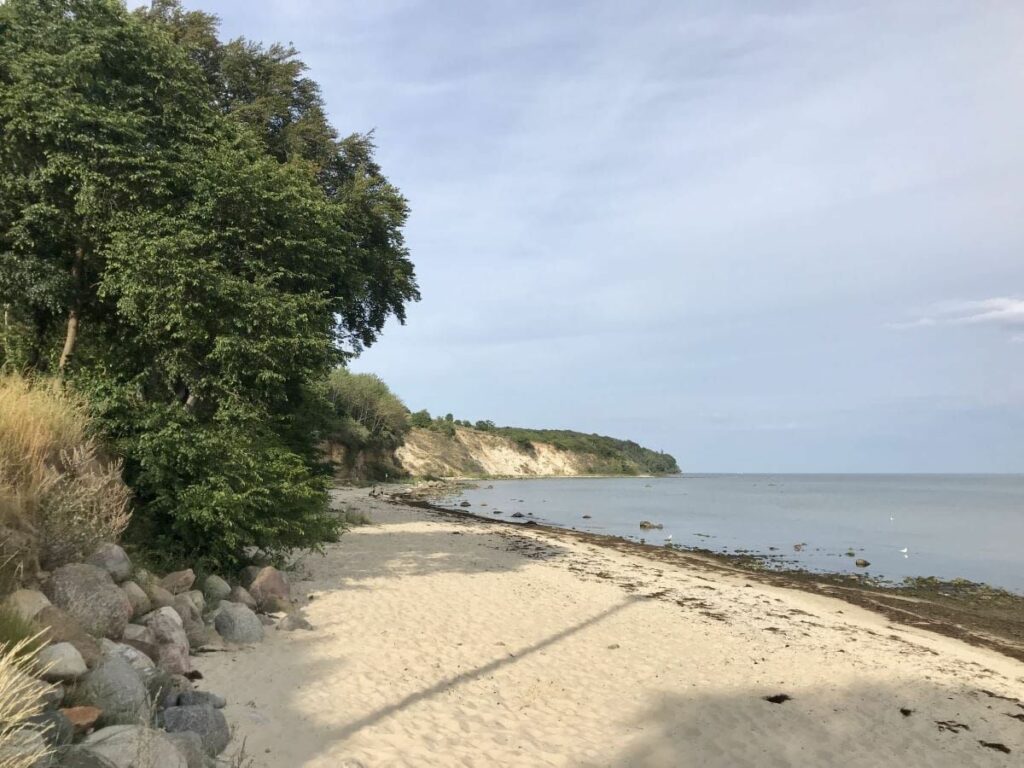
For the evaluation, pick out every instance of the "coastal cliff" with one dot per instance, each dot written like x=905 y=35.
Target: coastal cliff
x=468 y=452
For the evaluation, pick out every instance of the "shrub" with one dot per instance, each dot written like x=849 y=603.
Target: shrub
x=54 y=482
x=420 y=419
x=16 y=631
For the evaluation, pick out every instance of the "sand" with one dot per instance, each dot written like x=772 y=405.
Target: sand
x=444 y=642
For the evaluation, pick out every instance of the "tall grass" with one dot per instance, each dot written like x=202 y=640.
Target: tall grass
x=19 y=701
x=54 y=483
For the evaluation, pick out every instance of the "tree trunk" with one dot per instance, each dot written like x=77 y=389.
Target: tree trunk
x=71 y=336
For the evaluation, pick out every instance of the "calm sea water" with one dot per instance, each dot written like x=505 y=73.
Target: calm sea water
x=952 y=526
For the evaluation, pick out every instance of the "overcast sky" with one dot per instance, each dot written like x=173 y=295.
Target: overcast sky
x=762 y=236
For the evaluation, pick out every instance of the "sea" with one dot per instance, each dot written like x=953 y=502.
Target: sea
x=943 y=526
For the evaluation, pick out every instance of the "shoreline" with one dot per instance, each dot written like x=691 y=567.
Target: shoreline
x=449 y=640
x=976 y=613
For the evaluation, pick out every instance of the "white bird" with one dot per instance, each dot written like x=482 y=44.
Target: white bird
x=904 y=550
x=669 y=537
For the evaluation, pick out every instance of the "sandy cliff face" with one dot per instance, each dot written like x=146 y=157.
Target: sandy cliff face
x=472 y=453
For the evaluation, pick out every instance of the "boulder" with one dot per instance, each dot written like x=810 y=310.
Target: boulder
x=172 y=640
x=61 y=661
x=113 y=560
x=241 y=595
x=208 y=722
x=215 y=589
x=861 y=563
x=179 y=581
x=248 y=574
x=198 y=599
x=27 y=603
x=18 y=744
x=294 y=621
x=82 y=719
x=139 y=661
x=186 y=609
x=137 y=596
x=269 y=588
x=141 y=639
x=55 y=728
x=173 y=659
x=135 y=746
x=89 y=594
x=236 y=623
x=62 y=627
x=51 y=696
x=201 y=698
x=83 y=757
x=116 y=688
x=190 y=745
x=158 y=596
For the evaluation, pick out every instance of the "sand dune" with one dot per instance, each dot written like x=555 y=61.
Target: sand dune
x=450 y=643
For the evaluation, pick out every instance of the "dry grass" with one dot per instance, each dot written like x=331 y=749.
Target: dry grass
x=19 y=701
x=53 y=483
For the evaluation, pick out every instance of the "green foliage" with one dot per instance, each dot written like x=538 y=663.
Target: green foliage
x=421 y=419
x=184 y=235
x=611 y=456
x=16 y=631
x=484 y=426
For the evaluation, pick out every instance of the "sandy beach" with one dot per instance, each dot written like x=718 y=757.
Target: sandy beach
x=447 y=642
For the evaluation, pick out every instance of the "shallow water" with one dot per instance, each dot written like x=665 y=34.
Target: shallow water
x=952 y=526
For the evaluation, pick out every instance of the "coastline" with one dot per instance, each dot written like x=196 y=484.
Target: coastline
x=446 y=639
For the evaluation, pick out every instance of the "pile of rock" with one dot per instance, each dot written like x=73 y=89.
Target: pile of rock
x=117 y=680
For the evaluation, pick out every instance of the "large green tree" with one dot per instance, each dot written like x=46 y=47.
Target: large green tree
x=174 y=248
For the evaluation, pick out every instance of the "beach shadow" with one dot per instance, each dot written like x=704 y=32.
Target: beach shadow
x=918 y=724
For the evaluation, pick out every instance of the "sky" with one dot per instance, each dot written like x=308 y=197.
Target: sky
x=762 y=236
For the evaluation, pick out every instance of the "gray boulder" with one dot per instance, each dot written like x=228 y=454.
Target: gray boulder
x=55 y=728
x=241 y=595
x=116 y=688
x=83 y=757
x=138 y=660
x=249 y=573
x=158 y=596
x=172 y=640
x=141 y=639
x=62 y=627
x=237 y=623
x=27 y=603
x=198 y=599
x=135 y=746
x=60 y=662
x=113 y=560
x=190 y=744
x=137 y=596
x=294 y=621
x=215 y=589
x=89 y=595
x=179 y=581
x=208 y=722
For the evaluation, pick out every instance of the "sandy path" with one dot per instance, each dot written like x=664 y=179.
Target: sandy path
x=452 y=643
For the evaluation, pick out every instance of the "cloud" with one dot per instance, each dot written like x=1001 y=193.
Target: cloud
x=1003 y=311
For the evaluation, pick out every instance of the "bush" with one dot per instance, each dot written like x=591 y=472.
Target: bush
x=20 y=700
x=420 y=419
x=16 y=631
x=54 y=482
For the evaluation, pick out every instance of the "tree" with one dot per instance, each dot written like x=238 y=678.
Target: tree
x=421 y=419
x=198 y=277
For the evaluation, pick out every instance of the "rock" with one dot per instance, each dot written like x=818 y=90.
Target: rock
x=275 y=604
x=135 y=746
x=113 y=560
x=465 y=504
x=249 y=573
x=138 y=598
x=51 y=696
x=55 y=728
x=82 y=719
x=190 y=745
x=517 y=514
x=648 y=525
x=27 y=603
x=294 y=621
x=172 y=640
x=115 y=687
x=208 y=722
x=83 y=757
x=201 y=698
x=236 y=623
x=61 y=661
x=198 y=599
x=173 y=659
x=861 y=563
x=140 y=638
x=22 y=742
x=89 y=594
x=179 y=581
x=158 y=596
x=241 y=595
x=62 y=627
x=138 y=660
x=265 y=620
x=215 y=589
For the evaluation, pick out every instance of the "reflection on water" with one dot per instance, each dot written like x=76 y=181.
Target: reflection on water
x=950 y=526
